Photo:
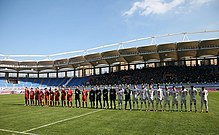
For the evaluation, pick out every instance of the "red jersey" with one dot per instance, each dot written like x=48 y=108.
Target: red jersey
x=57 y=94
x=70 y=95
x=37 y=94
x=63 y=94
x=51 y=95
x=32 y=94
x=26 y=93
x=41 y=95
x=47 y=95
x=84 y=94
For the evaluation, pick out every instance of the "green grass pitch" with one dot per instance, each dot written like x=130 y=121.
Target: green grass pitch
x=16 y=117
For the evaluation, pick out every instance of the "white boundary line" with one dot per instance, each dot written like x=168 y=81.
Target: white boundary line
x=75 y=117
x=12 y=131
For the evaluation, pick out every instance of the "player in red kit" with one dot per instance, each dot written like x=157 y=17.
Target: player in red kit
x=31 y=97
x=84 y=97
x=46 y=96
x=41 y=98
x=26 y=96
x=51 y=97
x=37 y=95
x=63 y=97
x=57 y=95
x=69 y=98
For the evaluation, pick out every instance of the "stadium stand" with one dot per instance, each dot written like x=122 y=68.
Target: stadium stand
x=42 y=82
x=192 y=61
x=170 y=74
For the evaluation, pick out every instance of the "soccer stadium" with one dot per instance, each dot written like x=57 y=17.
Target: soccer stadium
x=183 y=63
x=165 y=83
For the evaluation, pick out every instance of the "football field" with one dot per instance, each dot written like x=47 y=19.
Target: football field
x=15 y=118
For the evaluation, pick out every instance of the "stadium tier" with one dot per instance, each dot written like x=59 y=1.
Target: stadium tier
x=41 y=82
x=163 y=75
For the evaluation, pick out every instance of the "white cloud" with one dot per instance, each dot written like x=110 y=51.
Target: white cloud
x=199 y=2
x=146 y=7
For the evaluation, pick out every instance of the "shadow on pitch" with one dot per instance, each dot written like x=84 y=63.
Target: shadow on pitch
x=13 y=104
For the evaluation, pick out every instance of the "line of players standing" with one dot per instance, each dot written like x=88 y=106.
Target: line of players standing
x=147 y=97
x=52 y=98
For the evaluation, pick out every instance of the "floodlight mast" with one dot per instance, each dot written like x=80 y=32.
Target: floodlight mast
x=119 y=45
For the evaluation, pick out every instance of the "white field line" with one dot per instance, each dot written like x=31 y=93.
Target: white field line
x=46 y=125
x=17 y=132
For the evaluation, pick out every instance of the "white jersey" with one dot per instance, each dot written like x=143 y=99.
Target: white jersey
x=159 y=94
x=166 y=94
x=204 y=95
x=183 y=94
x=143 y=94
x=135 y=94
x=151 y=94
x=146 y=93
x=193 y=94
x=120 y=94
x=175 y=95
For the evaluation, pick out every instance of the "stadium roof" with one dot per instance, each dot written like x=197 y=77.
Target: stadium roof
x=121 y=52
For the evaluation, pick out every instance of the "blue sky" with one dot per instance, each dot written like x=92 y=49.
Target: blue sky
x=53 y=26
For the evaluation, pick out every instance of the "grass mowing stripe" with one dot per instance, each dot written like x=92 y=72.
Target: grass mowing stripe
x=61 y=121
x=12 y=131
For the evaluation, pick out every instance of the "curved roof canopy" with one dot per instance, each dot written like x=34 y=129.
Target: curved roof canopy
x=158 y=52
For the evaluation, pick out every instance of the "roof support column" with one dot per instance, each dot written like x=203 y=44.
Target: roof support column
x=196 y=60
x=217 y=60
x=65 y=74
x=57 y=74
x=155 y=64
x=184 y=62
x=135 y=66
x=94 y=70
x=83 y=72
x=119 y=67
x=38 y=74
x=6 y=75
x=17 y=74
x=100 y=70
x=109 y=69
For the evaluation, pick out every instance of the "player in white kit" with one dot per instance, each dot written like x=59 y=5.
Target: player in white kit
x=120 y=94
x=166 y=94
x=193 y=93
x=183 y=94
x=175 y=98
x=135 y=96
x=159 y=97
x=150 y=92
x=204 y=99
x=143 y=97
